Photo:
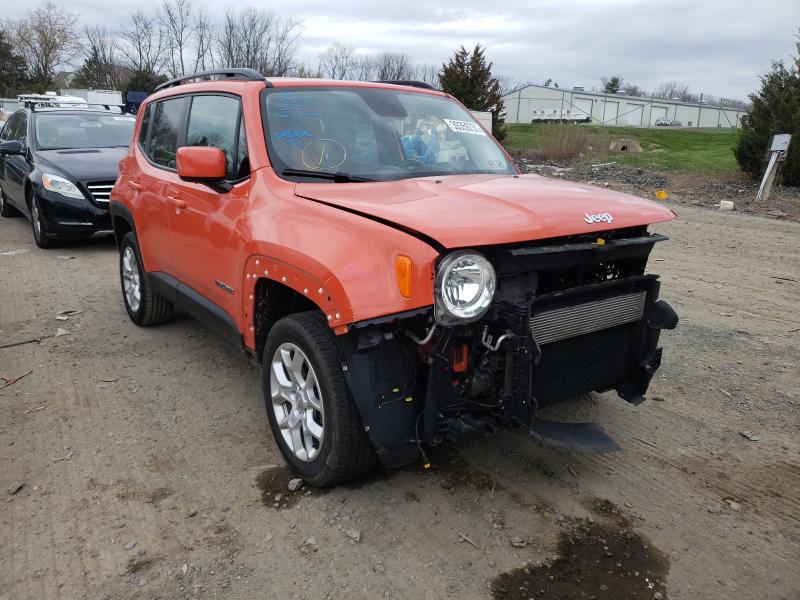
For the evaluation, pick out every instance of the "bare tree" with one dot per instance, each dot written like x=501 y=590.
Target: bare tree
x=336 y=62
x=427 y=73
x=393 y=65
x=143 y=49
x=245 y=39
x=510 y=84
x=672 y=90
x=287 y=40
x=363 y=68
x=102 y=66
x=176 y=19
x=256 y=39
x=202 y=38
x=46 y=38
x=631 y=89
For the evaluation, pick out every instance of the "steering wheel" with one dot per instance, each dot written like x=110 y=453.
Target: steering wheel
x=324 y=154
x=411 y=163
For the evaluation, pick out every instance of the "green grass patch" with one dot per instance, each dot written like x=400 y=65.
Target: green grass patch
x=687 y=149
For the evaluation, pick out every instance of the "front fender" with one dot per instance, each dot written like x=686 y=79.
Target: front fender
x=343 y=262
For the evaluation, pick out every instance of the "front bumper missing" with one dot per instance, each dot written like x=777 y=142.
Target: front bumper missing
x=597 y=337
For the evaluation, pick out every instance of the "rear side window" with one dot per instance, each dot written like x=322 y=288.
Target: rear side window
x=214 y=121
x=167 y=120
x=145 y=126
x=17 y=128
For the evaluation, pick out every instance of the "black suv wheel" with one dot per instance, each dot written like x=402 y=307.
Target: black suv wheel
x=311 y=411
x=145 y=307
x=40 y=235
x=6 y=210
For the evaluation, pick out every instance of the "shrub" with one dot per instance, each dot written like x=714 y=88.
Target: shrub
x=776 y=109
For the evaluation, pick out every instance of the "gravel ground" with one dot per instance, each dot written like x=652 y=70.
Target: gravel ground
x=136 y=463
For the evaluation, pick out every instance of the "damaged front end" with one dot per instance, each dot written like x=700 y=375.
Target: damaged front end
x=565 y=317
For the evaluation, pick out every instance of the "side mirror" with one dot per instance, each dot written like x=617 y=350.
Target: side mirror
x=204 y=164
x=12 y=147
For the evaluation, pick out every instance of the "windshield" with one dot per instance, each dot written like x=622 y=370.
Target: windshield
x=375 y=134
x=71 y=131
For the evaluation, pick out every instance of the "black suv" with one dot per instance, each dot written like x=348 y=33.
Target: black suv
x=57 y=167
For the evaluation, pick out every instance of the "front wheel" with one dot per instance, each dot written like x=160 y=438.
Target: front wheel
x=311 y=412
x=40 y=235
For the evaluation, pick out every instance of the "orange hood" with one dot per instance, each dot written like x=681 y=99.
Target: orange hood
x=461 y=211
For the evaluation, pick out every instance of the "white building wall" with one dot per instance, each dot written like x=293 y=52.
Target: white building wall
x=539 y=102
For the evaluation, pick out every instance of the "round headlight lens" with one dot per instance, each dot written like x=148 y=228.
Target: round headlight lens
x=465 y=284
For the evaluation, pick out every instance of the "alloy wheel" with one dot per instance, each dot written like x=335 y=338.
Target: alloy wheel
x=297 y=401
x=131 y=281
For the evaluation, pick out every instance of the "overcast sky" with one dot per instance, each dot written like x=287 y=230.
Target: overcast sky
x=718 y=48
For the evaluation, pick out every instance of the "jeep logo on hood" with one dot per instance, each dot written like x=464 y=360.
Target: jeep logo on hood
x=598 y=218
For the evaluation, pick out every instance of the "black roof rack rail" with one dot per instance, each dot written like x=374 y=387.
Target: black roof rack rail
x=246 y=74
x=408 y=82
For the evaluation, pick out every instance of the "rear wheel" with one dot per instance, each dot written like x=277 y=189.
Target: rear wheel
x=40 y=235
x=145 y=307
x=311 y=412
x=6 y=210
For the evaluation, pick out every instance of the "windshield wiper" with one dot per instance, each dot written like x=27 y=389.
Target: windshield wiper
x=339 y=177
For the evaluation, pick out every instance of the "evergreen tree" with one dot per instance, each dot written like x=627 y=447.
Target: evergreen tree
x=144 y=81
x=775 y=109
x=13 y=68
x=468 y=77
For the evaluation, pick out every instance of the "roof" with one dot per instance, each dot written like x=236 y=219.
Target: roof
x=233 y=80
x=622 y=96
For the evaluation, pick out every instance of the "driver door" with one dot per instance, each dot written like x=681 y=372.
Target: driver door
x=205 y=226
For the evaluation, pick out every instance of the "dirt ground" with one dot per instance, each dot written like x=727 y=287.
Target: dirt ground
x=149 y=471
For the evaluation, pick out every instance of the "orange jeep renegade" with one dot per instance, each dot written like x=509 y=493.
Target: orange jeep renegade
x=379 y=254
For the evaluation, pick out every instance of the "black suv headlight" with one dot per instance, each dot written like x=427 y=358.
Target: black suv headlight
x=465 y=284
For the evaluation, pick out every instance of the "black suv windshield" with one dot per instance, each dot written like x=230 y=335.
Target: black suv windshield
x=374 y=134
x=59 y=131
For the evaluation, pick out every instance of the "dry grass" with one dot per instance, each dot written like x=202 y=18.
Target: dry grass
x=565 y=142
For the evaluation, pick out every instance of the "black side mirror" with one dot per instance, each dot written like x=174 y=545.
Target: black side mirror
x=12 y=147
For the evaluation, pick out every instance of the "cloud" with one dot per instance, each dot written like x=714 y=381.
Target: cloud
x=717 y=48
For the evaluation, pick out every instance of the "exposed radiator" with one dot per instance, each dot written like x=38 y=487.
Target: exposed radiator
x=555 y=324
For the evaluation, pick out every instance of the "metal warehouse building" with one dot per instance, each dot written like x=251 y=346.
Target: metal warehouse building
x=539 y=103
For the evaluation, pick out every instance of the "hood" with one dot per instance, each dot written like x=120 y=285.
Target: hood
x=90 y=164
x=460 y=211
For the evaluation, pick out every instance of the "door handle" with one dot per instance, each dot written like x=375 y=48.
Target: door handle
x=176 y=202
x=135 y=185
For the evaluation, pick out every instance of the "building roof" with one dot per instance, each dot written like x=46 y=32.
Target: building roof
x=624 y=96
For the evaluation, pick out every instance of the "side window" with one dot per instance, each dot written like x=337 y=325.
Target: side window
x=167 y=120
x=214 y=121
x=145 y=125
x=16 y=128
x=6 y=130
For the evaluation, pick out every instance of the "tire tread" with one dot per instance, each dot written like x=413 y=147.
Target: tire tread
x=353 y=454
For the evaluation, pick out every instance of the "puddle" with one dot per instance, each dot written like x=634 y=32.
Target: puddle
x=605 y=561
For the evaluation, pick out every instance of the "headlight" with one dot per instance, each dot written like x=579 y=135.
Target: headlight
x=62 y=186
x=465 y=284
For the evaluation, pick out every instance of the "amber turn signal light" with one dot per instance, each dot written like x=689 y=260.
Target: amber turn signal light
x=402 y=270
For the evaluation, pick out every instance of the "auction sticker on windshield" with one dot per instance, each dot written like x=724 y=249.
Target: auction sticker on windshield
x=464 y=127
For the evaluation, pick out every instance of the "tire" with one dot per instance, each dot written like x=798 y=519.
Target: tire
x=6 y=210
x=40 y=235
x=343 y=450
x=146 y=308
